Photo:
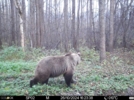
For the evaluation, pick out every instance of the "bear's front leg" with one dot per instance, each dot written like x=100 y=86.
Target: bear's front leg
x=68 y=78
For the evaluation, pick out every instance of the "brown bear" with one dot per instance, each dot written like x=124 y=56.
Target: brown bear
x=54 y=66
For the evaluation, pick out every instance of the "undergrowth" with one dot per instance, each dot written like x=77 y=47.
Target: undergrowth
x=113 y=76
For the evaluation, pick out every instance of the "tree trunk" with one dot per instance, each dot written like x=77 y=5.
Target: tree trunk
x=102 y=30
x=66 y=25
x=124 y=40
x=37 y=24
x=41 y=20
x=0 y=40
x=111 y=37
x=91 y=24
x=30 y=23
x=0 y=29
x=24 y=15
x=17 y=28
x=78 y=22
x=19 y=8
x=55 y=2
x=73 y=33
x=93 y=28
x=7 y=22
x=12 y=24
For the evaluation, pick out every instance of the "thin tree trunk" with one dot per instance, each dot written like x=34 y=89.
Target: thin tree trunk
x=12 y=24
x=0 y=29
x=30 y=28
x=46 y=24
x=73 y=24
x=41 y=20
x=0 y=40
x=55 y=10
x=111 y=37
x=19 y=8
x=102 y=30
x=24 y=16
x=66 y=25
x=7 y=18
x=87 y=36
x=78 y=22
x=80 y=13
x=91 y=24
x=37 y=24
x=17 y=28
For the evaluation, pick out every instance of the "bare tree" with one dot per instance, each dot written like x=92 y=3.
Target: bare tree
x=111 y=36
x=102 y=29
x=125 y=19
x=91 y=24
x=41 y=22
x=66 y=25
x=17 y=27
x=48 y=24
x=7 y=22
x=37 y=25
x=19 y=8
x=0 y=28
x=24 y=15
x=78 y=24
x=90 y=21
x=53 y=27
x=12 y=23
x=73 y=33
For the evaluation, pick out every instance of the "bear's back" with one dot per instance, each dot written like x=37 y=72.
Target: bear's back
x=52 y=64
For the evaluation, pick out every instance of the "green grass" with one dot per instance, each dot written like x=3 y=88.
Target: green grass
x=114 y=76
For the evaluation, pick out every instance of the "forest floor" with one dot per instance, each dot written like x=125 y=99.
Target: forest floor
x=115 y=76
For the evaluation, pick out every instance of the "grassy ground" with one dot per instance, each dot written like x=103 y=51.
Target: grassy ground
x=115 y=76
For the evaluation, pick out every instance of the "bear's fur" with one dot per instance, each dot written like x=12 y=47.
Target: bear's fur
x=54 y=66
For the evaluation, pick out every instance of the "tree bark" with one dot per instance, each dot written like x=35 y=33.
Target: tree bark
x=12 y=24
x=111 y=36
x=19 y=8
x=66 y=25
x=37 y=24
x=102 y=30
x=24 y=15
x=78 y=24
x=91 y=24
x=41 y=20
x=31 y=24
x=0 y=29
x=73 y=24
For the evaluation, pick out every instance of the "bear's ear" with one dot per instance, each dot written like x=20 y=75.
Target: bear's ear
x=79 y=53
x=68 y=54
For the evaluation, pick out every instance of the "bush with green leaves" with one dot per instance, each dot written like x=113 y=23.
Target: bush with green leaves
x=89 y=54
x=11 y=53
x=14 y=53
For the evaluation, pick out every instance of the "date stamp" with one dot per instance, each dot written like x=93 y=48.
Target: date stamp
x=110 y=97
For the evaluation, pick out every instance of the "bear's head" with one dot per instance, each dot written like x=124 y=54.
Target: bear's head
x=75 y=57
